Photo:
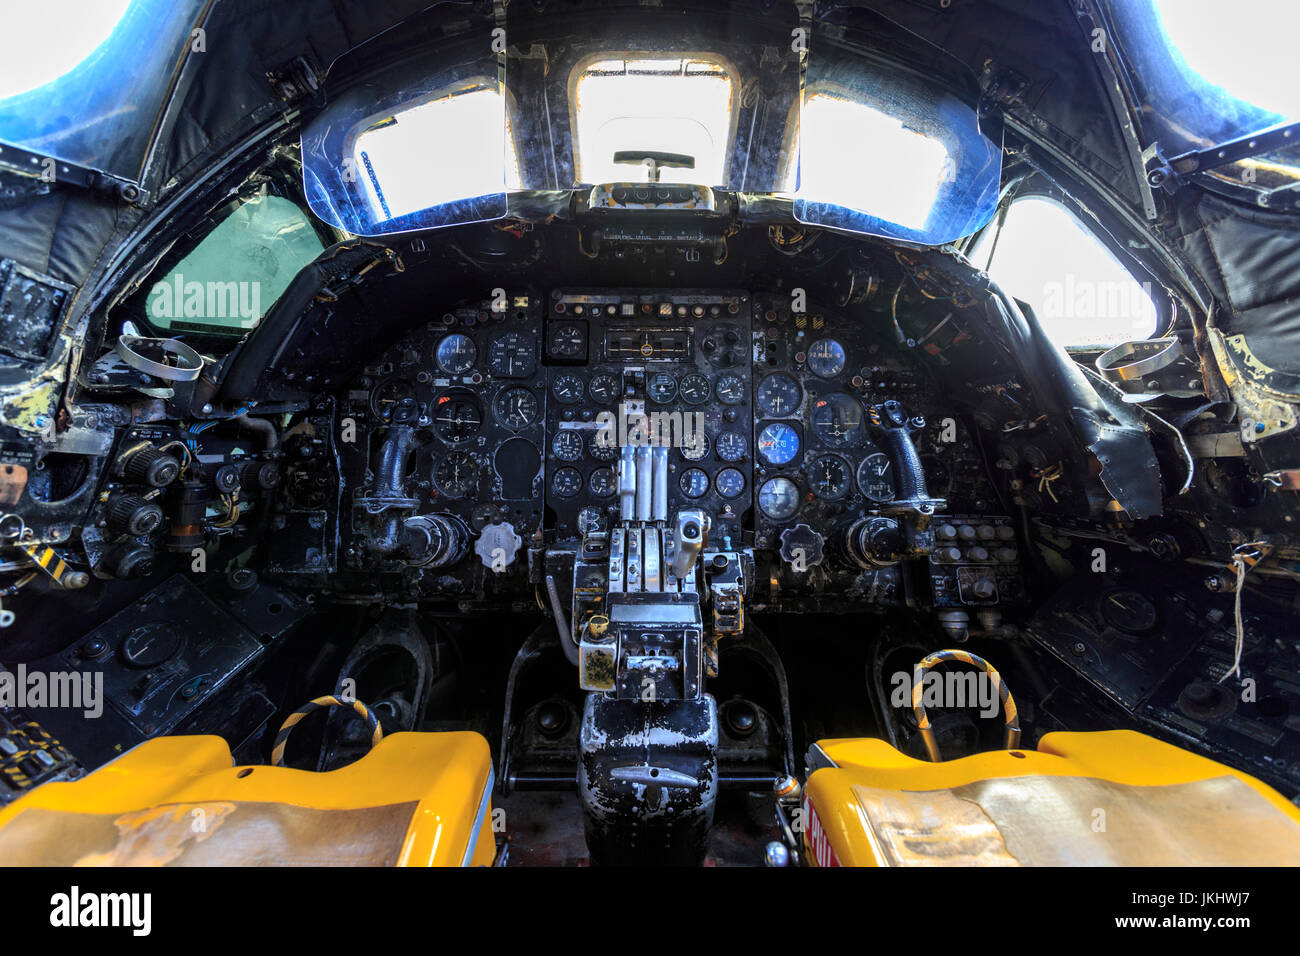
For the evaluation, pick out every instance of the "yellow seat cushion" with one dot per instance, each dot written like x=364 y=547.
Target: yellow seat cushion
x=1111 y=798
x=414 y=800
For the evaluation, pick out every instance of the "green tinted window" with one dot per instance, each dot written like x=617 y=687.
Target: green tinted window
x=233 y=276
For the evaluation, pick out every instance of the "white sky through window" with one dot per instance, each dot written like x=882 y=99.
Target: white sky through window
x=40 y=42
x=1080 y=292
x=1247 y=47
x=451 y=148
x=663 y=105
x=856 y=156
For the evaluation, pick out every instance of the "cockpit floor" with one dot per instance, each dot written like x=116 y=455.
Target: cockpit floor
x=545 y=829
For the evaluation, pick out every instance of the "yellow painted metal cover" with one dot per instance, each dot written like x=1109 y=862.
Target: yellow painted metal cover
x=1112 y=798
x=414 y=800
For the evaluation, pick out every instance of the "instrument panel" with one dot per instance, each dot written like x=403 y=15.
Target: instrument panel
x=468 y=381
x=671 y=369
x=761 y=414
x=817 y=377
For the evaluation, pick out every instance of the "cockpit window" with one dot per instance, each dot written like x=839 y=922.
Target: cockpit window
x=890 y=154
x=229 y=280
x=1082 y=295
x=673 y=104
x=1206 y=75
x=403 y=171
x=422 y=145
x=1247 y=56
x=850 y=154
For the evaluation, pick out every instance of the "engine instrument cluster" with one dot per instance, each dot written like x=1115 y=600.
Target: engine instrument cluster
x=664 y=370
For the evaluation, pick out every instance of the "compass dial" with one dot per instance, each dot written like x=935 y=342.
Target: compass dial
x=779 y=395
x=512 y=355
x=830 y=478
x=694 y=389
x=567 y=389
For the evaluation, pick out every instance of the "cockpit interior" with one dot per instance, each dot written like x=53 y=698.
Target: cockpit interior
x=646 y=434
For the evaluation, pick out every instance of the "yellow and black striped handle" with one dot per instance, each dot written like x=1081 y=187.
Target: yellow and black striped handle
x=918 y=706
x=292 y=721
x=47 y=559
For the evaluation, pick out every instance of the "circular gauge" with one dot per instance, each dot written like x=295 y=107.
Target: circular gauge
x=731 y=446
x=602 y=483
x=1129 y=611
x=694 y=389
x=385 y=396
x=778 y=443
x=603 y=389
x=512 y=355
x=456 y=417
x=602 y=447
x=696 y=447
x=661 y=388
x=829 y=477
x=778 y=498
x=566 y=482
x=826 y=358
x=837 y=419
x=456 y=474
x=568 y=340
x=694 y=482
x=455 y=354
x=152 y=644
x=876 y=477
x=567 y=389
x=730 y=483
x=515 y=407
x=591 y=519
x=730 y=390
x=567 y=445
x=779 y=394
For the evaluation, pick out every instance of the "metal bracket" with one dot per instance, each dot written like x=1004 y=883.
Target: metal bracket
x=295 y=80
x=1001 y=88
x=39 y=166
x=1172 y=174
x=1235 y=150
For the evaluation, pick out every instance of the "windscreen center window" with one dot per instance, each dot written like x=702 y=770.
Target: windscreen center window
x=1083 y=296
x=644 y=103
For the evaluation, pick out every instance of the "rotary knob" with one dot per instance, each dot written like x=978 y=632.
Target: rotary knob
x=148 y=465
x=133 y=515
x=877 y=542
x=801 y=547
x=497 y=546
x=259 y=474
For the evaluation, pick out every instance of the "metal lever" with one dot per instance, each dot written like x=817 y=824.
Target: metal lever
x=689 y=532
